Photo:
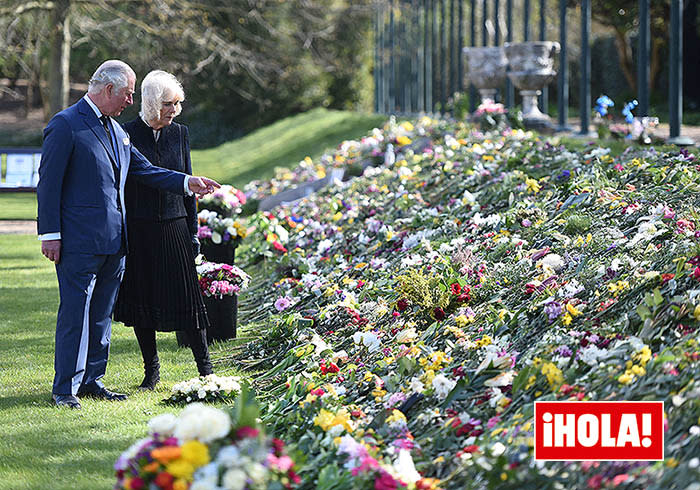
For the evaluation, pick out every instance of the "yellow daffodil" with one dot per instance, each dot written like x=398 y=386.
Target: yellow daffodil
x=532 y=185
x=181 y=469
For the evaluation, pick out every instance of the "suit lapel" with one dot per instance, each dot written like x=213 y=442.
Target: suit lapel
x=96 y=127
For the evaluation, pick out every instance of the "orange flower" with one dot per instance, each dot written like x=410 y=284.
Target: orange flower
x=166 y=454
x=151 y=467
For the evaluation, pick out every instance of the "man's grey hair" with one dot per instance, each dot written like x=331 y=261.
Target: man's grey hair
x=157 y=87
x=115 y=72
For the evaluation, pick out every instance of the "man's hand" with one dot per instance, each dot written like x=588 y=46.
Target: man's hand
x=202 y=185
x=51 y=250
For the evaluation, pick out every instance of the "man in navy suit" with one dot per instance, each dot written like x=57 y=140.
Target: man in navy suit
x=86 y=158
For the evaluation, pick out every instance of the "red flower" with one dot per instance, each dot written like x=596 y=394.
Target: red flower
x=331 y=367
x=402 y=304
x=163 y=480
x=279 y=247
x=696 y=273
x=439 y=313
x=245 y=432
x=455 y=288
x=137 y=483
x=667 y=277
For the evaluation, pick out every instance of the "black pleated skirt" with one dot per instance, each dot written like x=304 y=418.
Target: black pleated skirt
x=160 y=288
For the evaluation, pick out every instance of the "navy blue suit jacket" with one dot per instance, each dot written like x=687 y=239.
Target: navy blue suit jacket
x=76 y=193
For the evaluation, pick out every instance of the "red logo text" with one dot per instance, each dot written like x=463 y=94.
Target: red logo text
x=599 y=431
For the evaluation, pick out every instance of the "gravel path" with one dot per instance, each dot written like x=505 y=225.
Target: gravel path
x=16 y=227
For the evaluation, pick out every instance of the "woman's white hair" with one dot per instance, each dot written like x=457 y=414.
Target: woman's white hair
x=115 y=72
x=156 y=88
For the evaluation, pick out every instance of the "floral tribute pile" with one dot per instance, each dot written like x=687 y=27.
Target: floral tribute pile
x=205 y=448
x=415 y=313
x=210 y=388
x=218 y=280
x=218 y=217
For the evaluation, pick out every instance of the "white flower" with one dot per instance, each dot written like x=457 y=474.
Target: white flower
x=405 y=468
x=257 y=472
x=498 y=449
x=592 y=354
x=406 y=335
x=216 y=237
x=162 y=424
x=442 y=386
x=323 y=246
x=416 y=385
x=234 y=479
x=203 y=423
x=552 y=261
x=229 y=456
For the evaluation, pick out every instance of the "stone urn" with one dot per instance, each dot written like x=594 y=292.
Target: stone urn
x=531 y=68
x=486 y=69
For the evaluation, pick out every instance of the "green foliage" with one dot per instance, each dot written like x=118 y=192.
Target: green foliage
x=428 y=292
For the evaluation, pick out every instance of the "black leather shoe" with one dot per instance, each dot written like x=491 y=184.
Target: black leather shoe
x=69 y=401
x=104 y=394
x=150 y=381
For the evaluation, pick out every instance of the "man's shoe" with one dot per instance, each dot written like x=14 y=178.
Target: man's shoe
x=103 y=393
x=69 y=401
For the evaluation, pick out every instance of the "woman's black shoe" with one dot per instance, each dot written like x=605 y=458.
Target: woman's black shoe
x=150 y=380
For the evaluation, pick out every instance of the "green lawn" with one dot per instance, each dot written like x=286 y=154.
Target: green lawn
x=44 y=447
x=255 y=156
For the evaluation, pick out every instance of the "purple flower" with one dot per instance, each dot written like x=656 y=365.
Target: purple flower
x=563 y=351
x=553 y=310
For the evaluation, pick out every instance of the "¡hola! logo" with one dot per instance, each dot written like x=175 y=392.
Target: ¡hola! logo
x=599 y=431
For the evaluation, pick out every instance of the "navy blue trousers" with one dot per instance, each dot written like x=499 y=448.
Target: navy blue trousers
x=88 y=286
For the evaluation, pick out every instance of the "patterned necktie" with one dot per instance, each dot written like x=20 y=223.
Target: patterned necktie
x=105 y=123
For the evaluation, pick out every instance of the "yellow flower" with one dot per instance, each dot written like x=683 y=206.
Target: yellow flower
x=566 y=319
x=638 y=370
x=643 y=355
x=671 y=462
x=196 y=453
x=572 y=310
x=337 y=216
x=403 y=140
x=484 y=341
x=180 y=484
x=309 y=399
x=696 y=313
x=555 y=378
x=378 y=394
x=324 y=419
x=532 y=185
x=396 y=416
x=626 y=378
x=181 y=469
x=368 y=376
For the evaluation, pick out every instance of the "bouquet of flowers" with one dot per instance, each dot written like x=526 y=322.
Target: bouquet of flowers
x=211 y=388
x=207 y=448
x=226 y=201
x=213 y=229
x=218 y=280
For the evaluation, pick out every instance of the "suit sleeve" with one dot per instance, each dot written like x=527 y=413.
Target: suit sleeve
x=160 y=178
x=55 y=156
x=190 y=201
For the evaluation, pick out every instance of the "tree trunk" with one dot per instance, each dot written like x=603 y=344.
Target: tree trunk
x=655 y=66
x=625 y=51
x=59 y=56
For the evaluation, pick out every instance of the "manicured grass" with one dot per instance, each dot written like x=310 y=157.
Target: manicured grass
x=282 y=144
x=45 y=447
x=17 y=205
x=255 y=156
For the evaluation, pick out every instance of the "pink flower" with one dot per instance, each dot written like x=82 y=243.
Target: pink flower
x=283 y=463
x=282 y=303
x=386 y=482
x=204 y=232
x=620 y=478
x=493 y=421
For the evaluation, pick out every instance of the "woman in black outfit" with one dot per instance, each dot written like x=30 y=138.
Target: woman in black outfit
x=160 y=291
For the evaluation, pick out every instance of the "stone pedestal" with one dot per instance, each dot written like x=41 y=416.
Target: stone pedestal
x=486 y=70
x=531 y=69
